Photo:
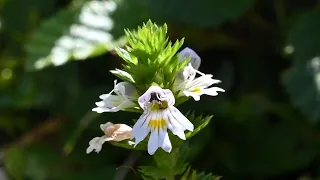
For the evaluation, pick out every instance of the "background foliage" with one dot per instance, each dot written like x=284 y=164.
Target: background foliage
x=55 y=57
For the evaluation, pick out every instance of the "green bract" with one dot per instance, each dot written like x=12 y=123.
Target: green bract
x=150 y=57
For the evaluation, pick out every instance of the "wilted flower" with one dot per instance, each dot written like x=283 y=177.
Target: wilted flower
x=112 y=132
x=125 y=95
x=190 y=85
x=159 y=115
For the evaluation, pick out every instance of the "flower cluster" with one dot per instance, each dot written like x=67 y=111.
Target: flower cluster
x=159 y=113
x=156 y=77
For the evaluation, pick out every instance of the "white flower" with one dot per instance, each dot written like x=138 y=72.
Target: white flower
x=113 y=132
x=190 y=85
x=125 y=95
x=159 y=116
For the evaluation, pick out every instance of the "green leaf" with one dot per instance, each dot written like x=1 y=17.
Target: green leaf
x=203 y=176
x=126 y=56
x=76 y=33
x=149 y=171
x=194 y=176
x=170 y=164
x=15 y=162
x=147 y=178
x=147 y=42
x=303 y=79
x=201 y=13
x=199 y=123
x=186 y=174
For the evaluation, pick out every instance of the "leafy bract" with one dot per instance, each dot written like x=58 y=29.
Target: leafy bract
x=150 y=57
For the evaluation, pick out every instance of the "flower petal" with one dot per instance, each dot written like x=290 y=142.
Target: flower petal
x=124 y=128
x=195 y=59
x=89 y=149
x=109 y=139
x=213 y=91
x=188 y=73
x=110 y=103
x=202 y=81
x=140 y=130
x=195 y=96
x=164 y=94
x=181 y=118
x=181 y=135
x=126 y=90
x=164 y=141
x=98 y=110
x=153 y=143
x=104 y=126
x=126 y=94
x=104 y=96
x=113 y=106
x=95 y=144
x=175 y=127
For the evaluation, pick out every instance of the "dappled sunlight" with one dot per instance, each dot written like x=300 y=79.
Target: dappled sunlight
x=88 y=36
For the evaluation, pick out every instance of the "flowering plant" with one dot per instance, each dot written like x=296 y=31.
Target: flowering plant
x=157 y=77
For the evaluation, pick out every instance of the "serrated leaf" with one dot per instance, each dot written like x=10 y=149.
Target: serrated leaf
x=202 y=176
x=153 y=172
x=147 y=42
x=173 y=163
x=147 y=178
x=157 y=60
x=303 y=79
x=126 y=56
x=122 y=75
x=186 y=174
x=76 y=33
x=199 y=123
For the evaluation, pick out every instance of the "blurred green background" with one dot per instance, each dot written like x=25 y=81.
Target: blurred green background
x=55 y=57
